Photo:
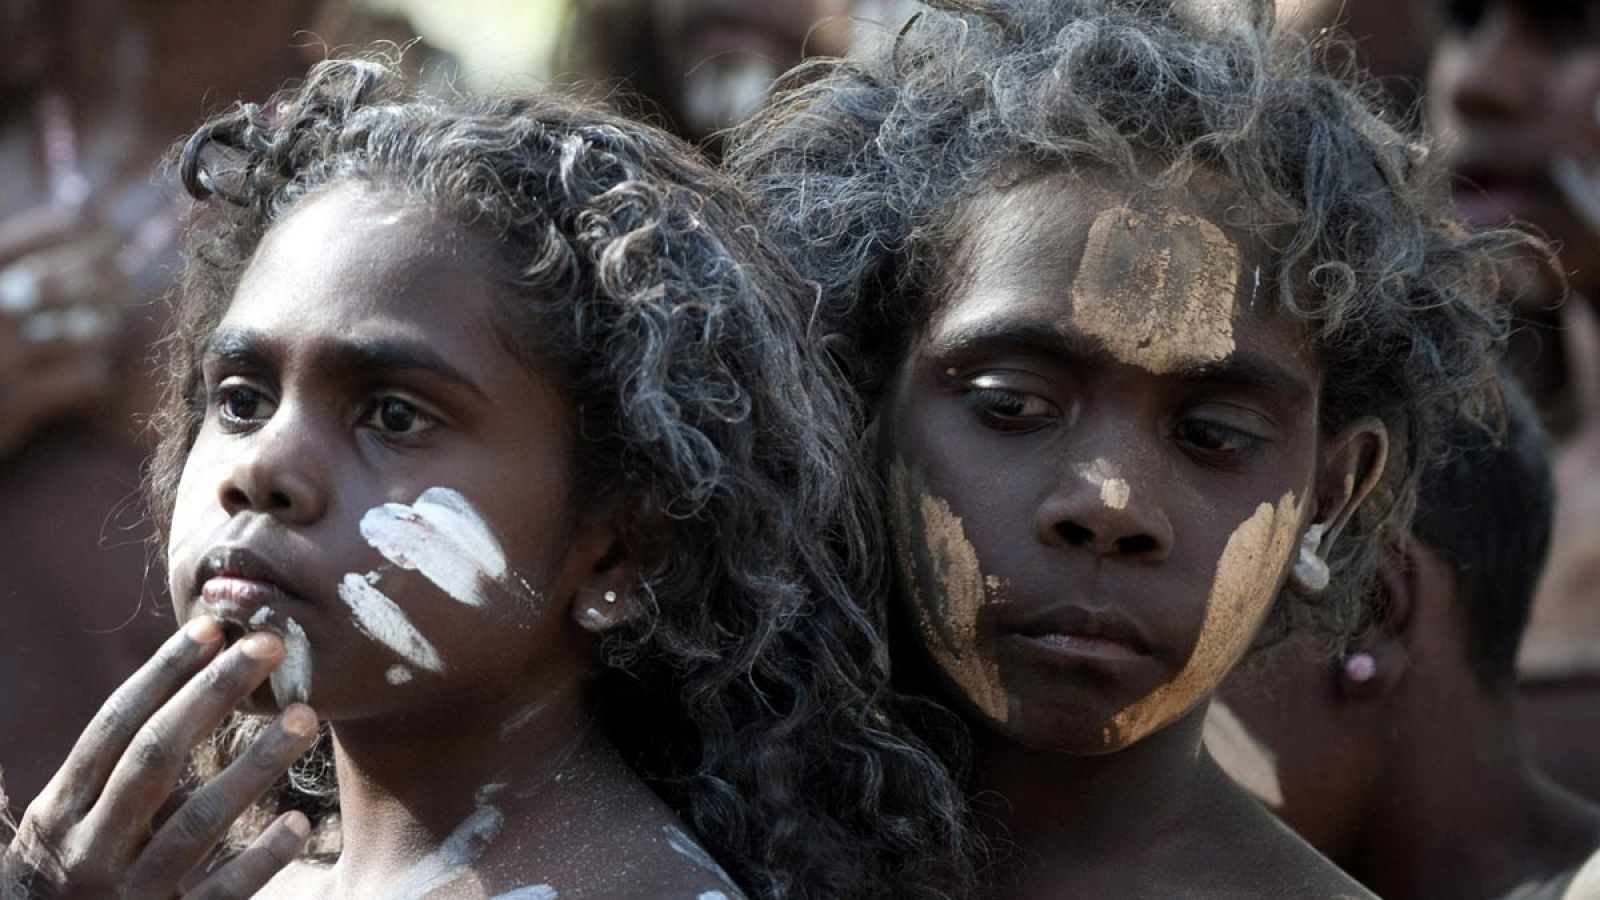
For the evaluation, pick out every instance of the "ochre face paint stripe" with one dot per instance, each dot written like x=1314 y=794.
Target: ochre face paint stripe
x=1241 y=593
x=950 y=632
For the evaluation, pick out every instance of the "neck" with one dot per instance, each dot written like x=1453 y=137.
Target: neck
x=1057 y=811
x=419 y=804
x=1452 y=821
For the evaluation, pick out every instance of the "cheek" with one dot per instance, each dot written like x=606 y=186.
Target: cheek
x=196 y=514
x=1246 y=581
x=946 y=588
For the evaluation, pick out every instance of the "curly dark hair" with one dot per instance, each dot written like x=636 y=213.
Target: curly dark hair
x=866 y=163
x=643 y=282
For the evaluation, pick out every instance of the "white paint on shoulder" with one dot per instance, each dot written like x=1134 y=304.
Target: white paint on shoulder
x=443 y=537
x=530 y=892
x=690 y=849
x=381 y=619
x=454 y=854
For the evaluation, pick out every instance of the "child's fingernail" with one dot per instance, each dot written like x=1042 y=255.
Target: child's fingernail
x=261 y=646
x=203 y=630
x=298 y=823
x=299 y=720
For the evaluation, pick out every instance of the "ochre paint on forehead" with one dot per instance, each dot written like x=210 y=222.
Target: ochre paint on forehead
x=1156 y=286
x=1241 y=593
x=948 y=623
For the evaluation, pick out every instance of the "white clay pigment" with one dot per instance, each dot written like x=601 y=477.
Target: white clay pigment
x=1246 y=760
x=455 y=854
x=397 y=675
x=381 y=619
x=690 y=849
x=530 y=892
x=441 y=536
x=291 y=681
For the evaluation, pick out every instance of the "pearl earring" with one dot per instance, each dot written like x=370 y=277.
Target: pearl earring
x=1311 y=570
x=611 y=596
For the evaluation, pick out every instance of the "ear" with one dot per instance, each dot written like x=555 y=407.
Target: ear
x=1349 y=468
x=1379 y=660
x=604 y=570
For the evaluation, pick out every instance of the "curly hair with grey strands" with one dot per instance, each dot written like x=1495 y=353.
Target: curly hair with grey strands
x=866 y=163
x=643 y=284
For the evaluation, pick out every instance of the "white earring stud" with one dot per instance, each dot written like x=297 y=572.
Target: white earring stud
x=611 y=596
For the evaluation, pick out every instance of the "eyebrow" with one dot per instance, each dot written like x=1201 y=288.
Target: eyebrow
x=347 y=357
x=1241 y=369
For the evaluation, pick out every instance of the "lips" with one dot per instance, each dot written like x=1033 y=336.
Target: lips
x=236 y=584
x=1074 y=631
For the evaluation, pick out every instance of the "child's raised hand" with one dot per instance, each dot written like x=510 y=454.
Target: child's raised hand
x=89 y=834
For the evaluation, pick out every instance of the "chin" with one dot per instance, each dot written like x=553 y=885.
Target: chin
x=1038 y=727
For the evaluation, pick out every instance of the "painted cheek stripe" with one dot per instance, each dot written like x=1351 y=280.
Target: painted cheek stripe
x=381 y=619
x=441 y=536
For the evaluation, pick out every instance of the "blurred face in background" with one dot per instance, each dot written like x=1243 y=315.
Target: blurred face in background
x=1512 y=94
x=729 y=51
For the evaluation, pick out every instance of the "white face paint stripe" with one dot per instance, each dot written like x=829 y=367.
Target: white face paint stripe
x=531 y=892
x=441 y=536
x=381 y=619
x=291 y=681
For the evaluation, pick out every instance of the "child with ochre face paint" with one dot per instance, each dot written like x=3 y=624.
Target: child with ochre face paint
x=490 y=436
x=1150 y=322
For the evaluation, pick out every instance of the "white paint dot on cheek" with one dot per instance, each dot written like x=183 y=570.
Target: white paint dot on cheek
x=397 y=675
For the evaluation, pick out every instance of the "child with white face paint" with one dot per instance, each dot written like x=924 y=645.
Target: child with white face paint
x=1152 y=325
x=491 y=436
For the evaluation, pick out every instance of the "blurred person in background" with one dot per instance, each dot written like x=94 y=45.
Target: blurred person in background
x=92 y=95
x=1514 y=96
x=700 y=66
x=1400 y=759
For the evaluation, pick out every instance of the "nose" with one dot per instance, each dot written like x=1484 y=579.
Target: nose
x=1497 y=78
x=278 y=471
x=1097 y=508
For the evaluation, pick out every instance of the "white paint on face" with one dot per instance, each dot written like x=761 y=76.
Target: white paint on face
x=291 y=681
x=454 y=854
x=397 y=675
x=381 y=619
x=441 y=536
x=1247 y=761
x=1114 y=491
x=260 y=617
x=530 y=892
x=690 y=849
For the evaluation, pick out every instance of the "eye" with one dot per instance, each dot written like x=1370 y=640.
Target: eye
x=1216 y=441
x=1005 y=408
x=397 y=416
x=241 y=406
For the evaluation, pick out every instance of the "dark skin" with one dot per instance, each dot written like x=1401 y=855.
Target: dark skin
x=1099 y=492
x=1424 y=755
x=339 y=382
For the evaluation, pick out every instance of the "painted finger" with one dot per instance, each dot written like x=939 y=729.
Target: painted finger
x=250 y=871
x=155 y=757
x=80 y=779
x=203 y=820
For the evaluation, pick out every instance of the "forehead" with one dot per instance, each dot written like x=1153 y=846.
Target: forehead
x=353 y=257
x=1158 y=280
